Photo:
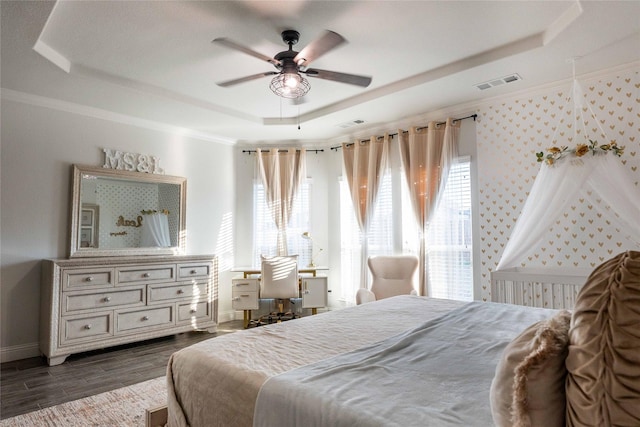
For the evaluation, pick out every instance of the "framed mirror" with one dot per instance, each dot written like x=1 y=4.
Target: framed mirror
x=118 y=213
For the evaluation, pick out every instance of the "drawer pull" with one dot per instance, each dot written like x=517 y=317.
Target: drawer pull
x=194 y=271
x=87 y=326
x=145 y=275
x=181 y=291
x=193 y=310
x=145 y=318
x=242 y=284
x=106 y=299
x=89 y=279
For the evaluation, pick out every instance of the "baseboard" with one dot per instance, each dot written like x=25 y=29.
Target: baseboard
x=228 y=316
x=19 y=352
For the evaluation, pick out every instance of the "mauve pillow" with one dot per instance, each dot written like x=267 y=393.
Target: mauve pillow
x=603 y=364
x=528 y=387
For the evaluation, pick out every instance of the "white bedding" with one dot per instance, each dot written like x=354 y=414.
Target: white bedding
x=437 y=374
x=216 y=382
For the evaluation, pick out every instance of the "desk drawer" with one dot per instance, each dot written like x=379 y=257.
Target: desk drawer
x=145 y=318
x=245 y=300
x=85 y=328
x=245 y=285
x=189 y=271
x=177 y=291
x=87 y=278
x=146 y=273
x=77 y=301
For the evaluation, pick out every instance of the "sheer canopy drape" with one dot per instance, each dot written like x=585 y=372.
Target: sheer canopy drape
x=155 y=231
x=427 y=155
x=364 y=164
x=281 y=172
x=593 y=177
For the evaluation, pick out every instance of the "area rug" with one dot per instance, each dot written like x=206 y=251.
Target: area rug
x=123 y=407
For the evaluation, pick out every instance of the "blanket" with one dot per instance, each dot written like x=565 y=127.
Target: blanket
x=437 y=374
x=216 y=382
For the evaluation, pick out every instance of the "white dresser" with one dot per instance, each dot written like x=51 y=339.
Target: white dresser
x=92 y=303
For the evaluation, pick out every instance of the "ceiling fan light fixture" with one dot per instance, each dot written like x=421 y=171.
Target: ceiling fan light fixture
x=290 y=85
x=291 y=80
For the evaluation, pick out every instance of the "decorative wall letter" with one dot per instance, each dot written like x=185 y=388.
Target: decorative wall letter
x=115 y=159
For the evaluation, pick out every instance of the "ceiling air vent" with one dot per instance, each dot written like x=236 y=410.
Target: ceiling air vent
x=351 y=123
x=497 y=82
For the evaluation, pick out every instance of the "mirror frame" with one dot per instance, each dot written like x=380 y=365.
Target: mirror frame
x=76 y=209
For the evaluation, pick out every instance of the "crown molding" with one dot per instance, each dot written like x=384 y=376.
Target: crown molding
x=98 y=113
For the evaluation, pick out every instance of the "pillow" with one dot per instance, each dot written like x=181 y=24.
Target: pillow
x=528 y=387
x=603 y=364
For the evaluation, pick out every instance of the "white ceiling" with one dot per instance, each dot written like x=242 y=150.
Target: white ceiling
x=153 y=63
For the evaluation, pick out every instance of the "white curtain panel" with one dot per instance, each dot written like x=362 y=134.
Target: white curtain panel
x=281 y=171
x=155 y=231
x=427 y=155
x=556 y=186
x=364 y=165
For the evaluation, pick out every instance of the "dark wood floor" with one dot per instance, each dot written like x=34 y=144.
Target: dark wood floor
x=30 y=384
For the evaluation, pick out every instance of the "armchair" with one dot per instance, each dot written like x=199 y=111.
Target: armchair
x=392 y=275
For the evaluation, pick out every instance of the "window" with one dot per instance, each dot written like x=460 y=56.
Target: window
x=449 y=244
x=380 y=237
x=265 y=232
x=349 y=245
x=449 y=240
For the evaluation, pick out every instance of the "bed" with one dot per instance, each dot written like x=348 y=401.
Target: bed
x=405 y=360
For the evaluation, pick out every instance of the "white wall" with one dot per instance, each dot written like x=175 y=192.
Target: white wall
x=39 y=145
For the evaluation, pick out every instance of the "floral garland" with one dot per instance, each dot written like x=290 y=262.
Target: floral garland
x=152 y=211
x=556 y=153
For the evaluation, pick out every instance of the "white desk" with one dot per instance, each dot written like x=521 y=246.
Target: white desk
x=253 y=271
x=246 y=290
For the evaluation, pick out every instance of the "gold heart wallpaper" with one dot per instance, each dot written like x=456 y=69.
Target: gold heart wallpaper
x=511 y=131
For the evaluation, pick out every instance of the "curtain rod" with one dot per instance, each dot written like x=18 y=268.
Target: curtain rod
x=473 y=116
x=320 y=150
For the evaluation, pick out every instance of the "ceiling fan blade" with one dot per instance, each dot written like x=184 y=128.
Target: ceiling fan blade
x=335 y=76
x=233 y=45
x=246 y=79
x=318 y=47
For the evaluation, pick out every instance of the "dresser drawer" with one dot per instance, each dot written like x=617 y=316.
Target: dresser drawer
x=187 y=312
x=85 y=328
x=239 y=284
x=189 y=271
x=87 y=278
x=126 y=275
x=245 y=300
x=76 y=301
x=145 y=318
x=163 y=292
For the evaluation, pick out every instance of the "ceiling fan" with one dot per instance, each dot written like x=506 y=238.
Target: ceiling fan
x=289 y=83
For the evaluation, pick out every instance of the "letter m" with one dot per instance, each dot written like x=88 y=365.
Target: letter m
x=112 y=160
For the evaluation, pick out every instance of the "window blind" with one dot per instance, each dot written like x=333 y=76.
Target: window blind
x=449 y=242
x=265 y=232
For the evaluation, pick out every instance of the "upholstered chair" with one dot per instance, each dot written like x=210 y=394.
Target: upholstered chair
x=392 y=275
x=279 y=281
